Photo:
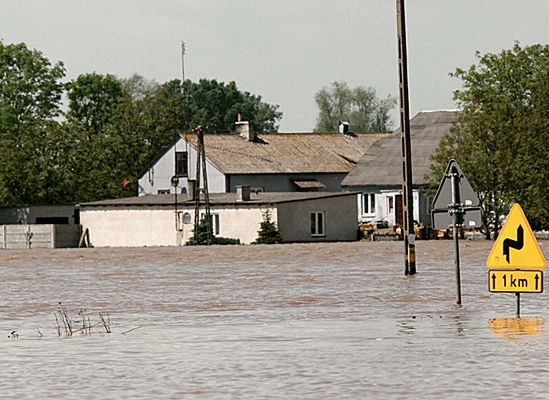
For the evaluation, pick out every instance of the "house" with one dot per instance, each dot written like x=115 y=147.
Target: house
x=273 y=162
x=168 y=220
x=378 y=175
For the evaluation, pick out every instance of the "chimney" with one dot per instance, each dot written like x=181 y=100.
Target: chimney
x=243 y=193
x=344 y=128
x=191 y=189
x=243 y=128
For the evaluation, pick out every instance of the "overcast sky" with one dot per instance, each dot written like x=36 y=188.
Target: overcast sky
x=283 y=50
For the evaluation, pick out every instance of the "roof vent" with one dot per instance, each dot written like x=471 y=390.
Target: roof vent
x=242 y=193
x=344 y=128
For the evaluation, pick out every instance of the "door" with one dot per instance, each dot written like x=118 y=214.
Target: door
x=399 y=210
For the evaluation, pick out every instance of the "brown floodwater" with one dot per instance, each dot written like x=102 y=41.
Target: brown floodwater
x=299 y=321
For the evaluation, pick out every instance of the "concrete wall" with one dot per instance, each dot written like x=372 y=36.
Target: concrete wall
x=39 y=236
x=294 y=219
x=159 y=176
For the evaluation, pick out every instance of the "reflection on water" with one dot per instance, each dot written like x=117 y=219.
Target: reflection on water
x=518 y=326
x=303 y=321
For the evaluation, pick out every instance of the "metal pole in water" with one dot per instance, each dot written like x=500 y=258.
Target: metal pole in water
x=457 y=213
x=458 y=273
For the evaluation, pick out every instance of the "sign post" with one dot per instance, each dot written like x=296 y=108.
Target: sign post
x=517 y=256
x=456 y=204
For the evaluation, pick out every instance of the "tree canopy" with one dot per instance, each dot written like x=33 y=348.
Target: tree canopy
x=359 y=106
x=112 y=129
x=500 y=138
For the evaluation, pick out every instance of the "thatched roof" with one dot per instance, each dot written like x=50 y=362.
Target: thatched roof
x=381 y=165
x=276 y=153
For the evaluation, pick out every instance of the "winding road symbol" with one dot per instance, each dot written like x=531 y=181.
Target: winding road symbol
x=516 y=245
x=509 y=244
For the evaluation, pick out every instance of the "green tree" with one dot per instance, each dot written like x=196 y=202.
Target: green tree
x=359 y=106
x=92 y=100
x=30 y=98
x=268 y=232
x=500 y=137
x=215 y=105
x=30 y=87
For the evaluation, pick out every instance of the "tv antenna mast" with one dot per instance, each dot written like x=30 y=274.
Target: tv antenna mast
x=183 y=51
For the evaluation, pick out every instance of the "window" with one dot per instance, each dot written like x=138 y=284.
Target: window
x=317 y=223
x=163 y=191
x=368 y=203
x=181 y=163
x=214 y=222
x=391 y=205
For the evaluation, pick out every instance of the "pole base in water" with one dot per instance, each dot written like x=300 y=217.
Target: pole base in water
x=410 y=261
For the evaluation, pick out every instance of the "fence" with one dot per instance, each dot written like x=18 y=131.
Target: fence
x=39 y=236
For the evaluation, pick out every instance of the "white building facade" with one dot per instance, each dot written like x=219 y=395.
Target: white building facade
x=157 y=220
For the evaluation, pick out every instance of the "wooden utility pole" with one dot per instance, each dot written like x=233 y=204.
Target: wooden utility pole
x=407 y=193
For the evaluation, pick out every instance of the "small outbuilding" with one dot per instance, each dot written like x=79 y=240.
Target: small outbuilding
x=168 y=219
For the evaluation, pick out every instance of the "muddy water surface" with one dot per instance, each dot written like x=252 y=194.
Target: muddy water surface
x=304 y=321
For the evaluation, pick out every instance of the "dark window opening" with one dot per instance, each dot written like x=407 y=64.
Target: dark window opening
x=181 y=163
x=52 y=220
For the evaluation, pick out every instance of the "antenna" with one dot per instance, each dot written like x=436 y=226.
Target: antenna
x=183 y=51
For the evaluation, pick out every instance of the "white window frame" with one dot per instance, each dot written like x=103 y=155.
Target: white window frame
x=214 y=222
x=368 y=204
x=318 y=223
x=391 y=205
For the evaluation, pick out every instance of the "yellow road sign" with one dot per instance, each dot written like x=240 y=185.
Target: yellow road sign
x=515 y=281
x=516 y=245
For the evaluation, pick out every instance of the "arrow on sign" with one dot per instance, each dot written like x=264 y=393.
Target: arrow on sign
x=494 y=281
x=509 y=244
x=536 y=278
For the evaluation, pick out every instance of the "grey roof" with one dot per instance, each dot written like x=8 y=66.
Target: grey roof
x=152 y=200
x=381 y=165
x=275 y=153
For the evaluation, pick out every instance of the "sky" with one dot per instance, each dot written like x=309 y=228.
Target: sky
x=283 y=50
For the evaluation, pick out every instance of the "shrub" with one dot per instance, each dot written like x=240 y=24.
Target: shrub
x=268 y=232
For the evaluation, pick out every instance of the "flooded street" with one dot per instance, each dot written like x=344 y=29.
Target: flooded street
x=301 y=321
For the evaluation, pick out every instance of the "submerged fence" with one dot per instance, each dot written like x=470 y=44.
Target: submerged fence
x=39 y=236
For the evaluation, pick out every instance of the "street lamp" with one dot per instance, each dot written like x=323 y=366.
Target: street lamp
x=175 y=184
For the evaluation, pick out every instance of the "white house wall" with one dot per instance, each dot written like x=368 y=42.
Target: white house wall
x=382 y=212
x=157 y=226
x=137 y=227
x=241 y=223
x=159 y=176
x=130 y=227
